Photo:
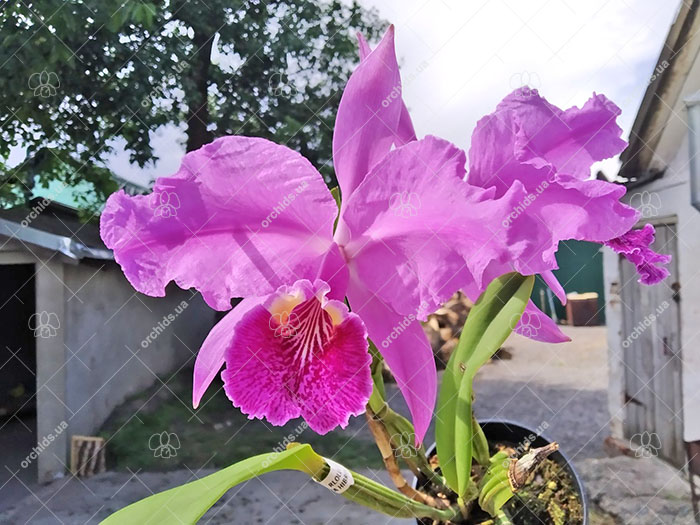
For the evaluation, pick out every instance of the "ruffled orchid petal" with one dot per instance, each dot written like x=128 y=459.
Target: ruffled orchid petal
x=368 y=115
x=535 y=324
x=550 y=152
x=528 y=129
x=299 y=354
x=414 y=232
x=241 y=217
x=635 y=247
x=406 y=350
x=210 y=358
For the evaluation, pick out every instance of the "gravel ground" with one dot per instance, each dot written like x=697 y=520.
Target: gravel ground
x=560 y=388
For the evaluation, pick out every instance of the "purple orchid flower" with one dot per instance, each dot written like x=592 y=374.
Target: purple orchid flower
x=255 y=220
x=550 y=152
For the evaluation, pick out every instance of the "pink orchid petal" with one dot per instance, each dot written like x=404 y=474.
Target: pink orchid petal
x=299 y=354
x=241 y=217
x=405 y=132
x=535 y=324
x=634 y=245
x=334 y=271
x=363 y=46
x=570 y=208
x=551 y=280
x=405 y=348
x=415 y=232
x=550 y=152
x=368 y=115
x=210 y=358
x=532 y=130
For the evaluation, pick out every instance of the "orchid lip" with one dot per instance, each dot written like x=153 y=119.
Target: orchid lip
x=299 y=353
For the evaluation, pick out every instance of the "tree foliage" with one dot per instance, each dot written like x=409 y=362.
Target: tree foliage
x=82 y=79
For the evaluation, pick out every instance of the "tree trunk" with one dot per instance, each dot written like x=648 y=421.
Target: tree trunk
x=197 y=104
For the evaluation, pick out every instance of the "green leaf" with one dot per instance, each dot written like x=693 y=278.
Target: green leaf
x=494 y=487
x=488 y=325
x=187 y=503
x=335 y=191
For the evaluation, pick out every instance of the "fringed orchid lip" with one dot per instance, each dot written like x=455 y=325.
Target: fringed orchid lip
x=298 y=353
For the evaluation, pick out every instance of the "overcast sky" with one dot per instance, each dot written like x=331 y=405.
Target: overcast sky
x=459 y=58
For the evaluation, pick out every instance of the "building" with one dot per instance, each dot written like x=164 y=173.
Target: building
x=77 y=340
x=654 y=332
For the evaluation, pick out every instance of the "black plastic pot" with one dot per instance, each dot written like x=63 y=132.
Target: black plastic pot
x=498 y=431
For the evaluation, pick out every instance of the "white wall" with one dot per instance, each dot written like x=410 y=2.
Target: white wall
x=109 y=354
x=668 y=198
x=110 y=342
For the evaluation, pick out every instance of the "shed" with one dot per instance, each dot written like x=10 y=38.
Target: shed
x=77 y=340
x=654 y=332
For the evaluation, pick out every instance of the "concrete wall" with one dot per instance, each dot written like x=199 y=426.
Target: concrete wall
x=109 y=343
x=666 y=199
x=118 y=341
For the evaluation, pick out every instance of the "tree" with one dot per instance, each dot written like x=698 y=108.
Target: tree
x=81 y=78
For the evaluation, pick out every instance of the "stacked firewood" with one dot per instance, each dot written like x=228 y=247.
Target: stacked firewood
x=444 y=327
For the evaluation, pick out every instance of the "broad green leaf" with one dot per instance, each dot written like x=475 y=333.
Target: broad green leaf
x=187 y=503
x=489 y=323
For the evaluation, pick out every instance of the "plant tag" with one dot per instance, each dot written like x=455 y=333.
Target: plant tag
x=339 y=479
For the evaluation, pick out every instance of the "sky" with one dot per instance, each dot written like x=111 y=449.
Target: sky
x=460 y=57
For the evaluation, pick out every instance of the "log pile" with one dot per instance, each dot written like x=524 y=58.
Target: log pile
x=444 y=327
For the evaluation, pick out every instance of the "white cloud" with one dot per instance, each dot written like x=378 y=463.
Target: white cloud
x=476 y=50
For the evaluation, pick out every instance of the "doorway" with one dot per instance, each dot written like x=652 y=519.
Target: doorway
x=18 y=318
x=651 y=348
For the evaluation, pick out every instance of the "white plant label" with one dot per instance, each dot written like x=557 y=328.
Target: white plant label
x=339 y=479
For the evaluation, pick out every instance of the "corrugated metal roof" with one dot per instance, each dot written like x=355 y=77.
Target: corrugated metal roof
x=54 y=227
